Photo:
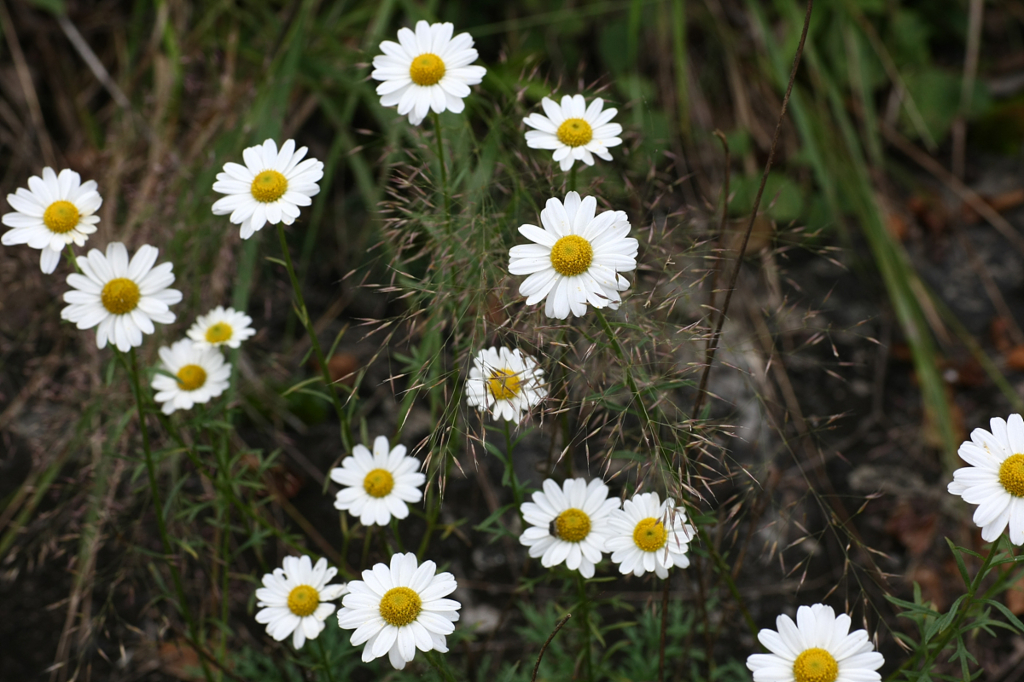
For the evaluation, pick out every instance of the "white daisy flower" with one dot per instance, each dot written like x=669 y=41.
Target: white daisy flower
x=221 y=327
x=649 y=535
x=569 y=523
x=200 y=375
x=819 y=647
x=507 y=382
x=400 y=609
x=378 y=485
x=426 y=70
x=293 y=600
x=55 y=211
x=576 y=258
x=575 y=131
x=122 y=299
x=269 y=188
x=995 y=479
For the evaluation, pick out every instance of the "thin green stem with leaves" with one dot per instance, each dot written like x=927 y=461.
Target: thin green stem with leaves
x=588 y=665
x=325 y=659
x=438 y=663
x=438 y=136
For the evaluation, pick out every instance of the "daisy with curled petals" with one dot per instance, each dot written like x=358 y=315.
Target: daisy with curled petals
x=507 y=382
x=56 y=210
x=400 y=609
x=995 y=479
x=199 y=375
x=221 y=327
x=121 y=298
x=294 y=600
x=819 y=647
x=426 y=70
x=569 y=523
x=575 y=259
x=378 y=485
x=575 y=131
x=269 y=188
x=649 y=535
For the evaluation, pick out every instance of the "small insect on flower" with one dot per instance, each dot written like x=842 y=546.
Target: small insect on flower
x=199 y=375
x=269 y=188
x=575 y=259
x=507 y=382
x=426 y=70
x=221 y=327
x=56 y=210
x=819 y=647
x=378 y=485
x=649 y=535
x=573 y=130
x=569 y=523
x=995 y=478
x=397 y=610
x=294 y=600
x=122 y=299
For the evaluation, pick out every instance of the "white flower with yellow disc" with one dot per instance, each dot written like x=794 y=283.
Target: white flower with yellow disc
x=269 y=188
x=649 y=535
x=121 y=298
x=573 y=130
x=56 y=210
x=398 y=609
x=995 y=479
x=819 y=647
x=221 y=327
x=378 y=485
x=199 y=375
x=294 y=600
x=507 y=382
x=576 y=258
x=426 y=70
x=569 y=523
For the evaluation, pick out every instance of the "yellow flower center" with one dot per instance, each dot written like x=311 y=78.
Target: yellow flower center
x=575 y=132
x=400 y=606
x=191 y=377
x=61 y=217
x=649 y=535
x=571 y=255
x=572 y=525
x=427 y=69
x=219 y=333
x=378 y=483
x=815 y=665
x=303 y=600
x=120 y=296
x=1011 y=475
x=503 y=384
x=268 y=187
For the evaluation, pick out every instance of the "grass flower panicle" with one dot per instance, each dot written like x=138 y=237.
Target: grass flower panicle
x=575 y=131
x=200 y=375
x=507 y=382
x=649 y=535
x=378 y=485
x=569 y=523
x=121 y=298
x=221 y=327
x=294 y=600
x=995 y=478
x=819 y=647
x=269 y=188
x=426 y=70
x=56 y=210
x=576 y=257
x=398 y=609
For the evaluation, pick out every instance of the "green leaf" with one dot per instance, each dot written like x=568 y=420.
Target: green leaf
x=1006 y=612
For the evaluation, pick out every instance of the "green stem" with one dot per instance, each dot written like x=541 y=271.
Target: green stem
x=444 y=171
x=326 y=661
x=225 y=550
x=588 y=669
x=74 y=261
x=346 y=430
x=366 y=544
x=438 y=664
x=133 y=372
x=517 y=492
x=572 y=179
